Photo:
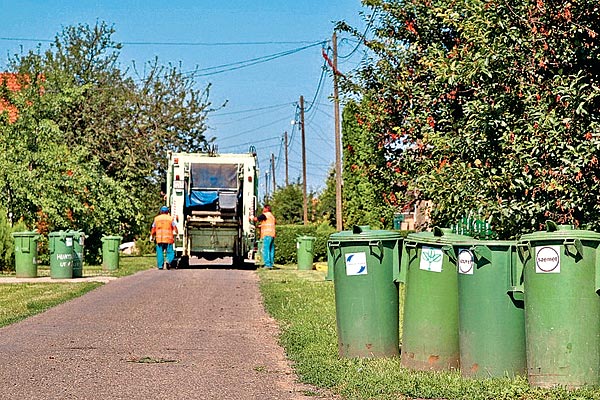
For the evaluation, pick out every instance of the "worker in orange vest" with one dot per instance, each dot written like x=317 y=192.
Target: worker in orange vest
x=267 y=234
x=164 y=230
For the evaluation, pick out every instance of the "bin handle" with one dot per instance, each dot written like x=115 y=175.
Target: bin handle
x=333 y=245
x=524 y=251
x=396 y=262
x=379 y=245
x=573 y=247
x=449 y=250
x=410 y=244
x=516 y=289
x=483 y=252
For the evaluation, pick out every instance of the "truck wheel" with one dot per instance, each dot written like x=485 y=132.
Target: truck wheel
x=183 y=262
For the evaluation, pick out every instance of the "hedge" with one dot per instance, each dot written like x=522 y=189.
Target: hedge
x=285 y=241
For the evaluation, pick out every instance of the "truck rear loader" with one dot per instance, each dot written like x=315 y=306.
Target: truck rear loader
x=213 y=198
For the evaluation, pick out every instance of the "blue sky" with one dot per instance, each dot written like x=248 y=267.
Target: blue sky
x=261 y=99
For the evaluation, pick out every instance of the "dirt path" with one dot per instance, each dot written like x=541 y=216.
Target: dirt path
x=177 y=334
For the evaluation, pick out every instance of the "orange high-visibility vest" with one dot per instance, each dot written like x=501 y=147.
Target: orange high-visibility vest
x=163 y=228
x=267 y=227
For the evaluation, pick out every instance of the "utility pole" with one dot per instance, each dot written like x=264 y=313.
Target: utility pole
x=338 y=141
x=285 y=141
x=273 y=171
x=304 y=196
x=266 y=186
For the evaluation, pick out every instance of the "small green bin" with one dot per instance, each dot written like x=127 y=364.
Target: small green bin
x=430 y=323
x=78 y=248
x=366 y=264
x=491 y=310
x=561 y=274
x=26 y=253
x=305 y=252
x=61 y=255
x=110 y=252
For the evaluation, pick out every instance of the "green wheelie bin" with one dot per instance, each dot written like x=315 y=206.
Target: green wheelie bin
x=78 y=245
x=26 y=253
x=430 y=323
x=491 y=311
x=562 y=307
x=110 y=252
x=305 y=252
x=366 y=266
x=61 y=255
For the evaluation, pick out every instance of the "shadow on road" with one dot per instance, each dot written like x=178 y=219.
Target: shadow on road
x=219 y=263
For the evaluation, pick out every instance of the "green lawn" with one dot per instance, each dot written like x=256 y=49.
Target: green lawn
x=21 y=300
x=303 y=303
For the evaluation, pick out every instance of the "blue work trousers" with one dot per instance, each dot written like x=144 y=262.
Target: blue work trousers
x=268 y=251
x=160 y=249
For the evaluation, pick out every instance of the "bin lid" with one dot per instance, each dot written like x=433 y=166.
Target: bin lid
x=25 y=234
x=60 y=234
x=302 y=238
x=111 y=238
x=440 y=236
x=362 y=233
x=560 y=232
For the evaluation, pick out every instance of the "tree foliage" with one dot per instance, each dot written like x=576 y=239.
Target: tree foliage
x=88 y=150
x=487 y=106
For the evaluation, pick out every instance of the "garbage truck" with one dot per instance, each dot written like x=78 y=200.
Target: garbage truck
x=212 y=198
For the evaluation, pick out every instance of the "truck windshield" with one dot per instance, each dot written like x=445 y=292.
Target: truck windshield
x=214 y=176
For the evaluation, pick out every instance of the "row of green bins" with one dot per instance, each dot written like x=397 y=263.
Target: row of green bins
x=26 y=253
x=305 y=252
x=430 y=324
x=463 y=305
x=365 y=264
x=561 y=275
x=110 y=252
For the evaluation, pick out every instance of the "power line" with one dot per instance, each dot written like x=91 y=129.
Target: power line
x=218 y=69
x=252 y=110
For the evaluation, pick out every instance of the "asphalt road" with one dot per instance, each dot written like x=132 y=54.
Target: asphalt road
x=175 y=334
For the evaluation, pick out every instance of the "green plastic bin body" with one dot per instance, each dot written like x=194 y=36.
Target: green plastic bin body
x=61 y=255
x=430 y=323
x=366 y=264
x=259 y=260
x=562 y=306
x=26 y=254
x=78 y=246
x=110 y=252
x=491 y=312
x=305 y=252
x=397 y=221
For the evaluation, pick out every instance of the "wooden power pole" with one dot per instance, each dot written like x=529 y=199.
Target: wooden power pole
x=338 y=141
x=304 y=196
x=273 y=171
x=285 y=141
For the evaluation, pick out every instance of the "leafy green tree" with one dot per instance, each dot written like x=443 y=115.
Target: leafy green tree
x=365 y=193
x=487 y=106
x=286 y=204
x=88 y=150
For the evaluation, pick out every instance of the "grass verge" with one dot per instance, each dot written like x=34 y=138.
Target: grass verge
x=22 y=300
x=303 y=303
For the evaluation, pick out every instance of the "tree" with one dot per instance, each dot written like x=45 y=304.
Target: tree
x=488 y=106
x=88 y=149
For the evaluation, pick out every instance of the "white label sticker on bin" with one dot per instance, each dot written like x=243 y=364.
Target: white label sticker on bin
x=356 y=264
x=465 y=261
x=69 y=242
x=547 y=259
x=431 y=259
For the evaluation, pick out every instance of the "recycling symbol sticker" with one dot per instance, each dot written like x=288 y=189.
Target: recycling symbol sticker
x=356 y=264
